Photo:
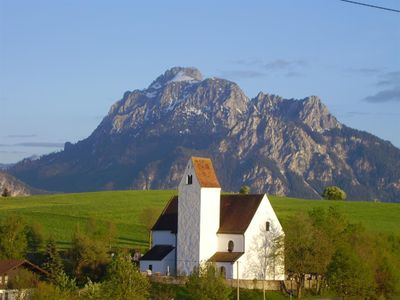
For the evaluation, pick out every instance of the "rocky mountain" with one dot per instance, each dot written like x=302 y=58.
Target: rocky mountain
x=275 y=145
x=15 y=186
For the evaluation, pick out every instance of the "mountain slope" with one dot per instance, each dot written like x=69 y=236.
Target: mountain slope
x=15 y=186
x=275 y=145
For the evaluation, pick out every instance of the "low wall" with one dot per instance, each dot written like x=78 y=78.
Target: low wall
x=271 y=285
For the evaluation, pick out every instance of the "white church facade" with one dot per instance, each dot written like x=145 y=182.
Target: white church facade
x=240 y=233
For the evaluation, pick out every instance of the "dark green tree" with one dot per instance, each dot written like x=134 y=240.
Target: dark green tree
x=245 y=189
x=206 y=283
x=124 y=281
x=333 y=193
x=52 y=260
x=35 y=237
x=89 y=251
x=6 y=192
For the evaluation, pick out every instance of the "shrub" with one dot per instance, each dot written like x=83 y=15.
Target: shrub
x=334 y=193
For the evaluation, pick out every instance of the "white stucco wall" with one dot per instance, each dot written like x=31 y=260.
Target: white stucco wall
x=252 y=263
x=198 y=222
x=160 y=266
x=188 y=237
x=228 y=268
x=223 y=240
x=209 y=222
x=163 y=237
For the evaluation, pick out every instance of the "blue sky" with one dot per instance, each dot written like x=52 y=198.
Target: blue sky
x=64 y=63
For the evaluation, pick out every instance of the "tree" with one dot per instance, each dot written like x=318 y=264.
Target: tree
x=89 y=252
x=6 y=192
x=206 y=283
x=47 y=291
x=35 y=237
x=124 y=281
x=349 y=276
x=13 y=241
x=245 y=189
x=52 y=261
x=148 y=217
x=23 y=279
x=333 y=193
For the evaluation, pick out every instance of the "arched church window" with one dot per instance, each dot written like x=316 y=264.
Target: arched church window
x=189 y=179
x=223 y=271
x=267 y=226
x=230 y=246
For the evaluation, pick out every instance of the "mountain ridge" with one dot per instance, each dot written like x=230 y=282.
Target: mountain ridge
x=275 y=145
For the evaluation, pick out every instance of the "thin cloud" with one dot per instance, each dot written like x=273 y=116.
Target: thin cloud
x=41 y=144
x=280 y=64
x=391 y=78
x=21 y=136
x=389 y=95
x=35 y=144
x=242 y=74
x=294 y=74
x=365 y=71
x=274 y=65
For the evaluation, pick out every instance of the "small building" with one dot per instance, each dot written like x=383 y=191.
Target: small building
x=241 y=234
x=11 y=268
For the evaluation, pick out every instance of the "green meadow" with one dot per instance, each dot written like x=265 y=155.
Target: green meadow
x=60 y=214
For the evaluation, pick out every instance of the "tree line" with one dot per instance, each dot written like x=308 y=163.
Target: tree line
x=343 y=258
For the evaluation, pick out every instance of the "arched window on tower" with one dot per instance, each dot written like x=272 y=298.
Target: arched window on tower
x=267 y=226
x=230 y=246
x=189 y=179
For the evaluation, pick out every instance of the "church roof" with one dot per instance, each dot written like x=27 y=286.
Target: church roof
x=168 y=219
x=236 y=213
x=158 y=252
x=205 y=172
x=225 y=256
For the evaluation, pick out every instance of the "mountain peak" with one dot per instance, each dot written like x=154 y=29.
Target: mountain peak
x=177 y=74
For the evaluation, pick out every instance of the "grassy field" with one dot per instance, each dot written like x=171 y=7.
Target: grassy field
x=59 y=214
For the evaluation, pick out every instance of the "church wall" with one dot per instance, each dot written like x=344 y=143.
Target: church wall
x=209 y=222
x=160 y=266
x=252 y=264
x=228 y=269
x=223 y=240
x=188 y=237
x=163 y=237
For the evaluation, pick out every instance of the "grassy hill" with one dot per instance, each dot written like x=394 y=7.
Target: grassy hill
x=59 y=214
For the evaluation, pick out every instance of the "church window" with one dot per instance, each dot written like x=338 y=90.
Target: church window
x=151 y=267
x=230 y=246
x=267 y=226
x=190 y=179
x=223 y=272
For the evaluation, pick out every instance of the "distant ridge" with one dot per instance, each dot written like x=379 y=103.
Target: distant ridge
x=16 y=187
x=275 y=145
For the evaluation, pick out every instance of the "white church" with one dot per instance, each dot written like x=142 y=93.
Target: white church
x=240 y=233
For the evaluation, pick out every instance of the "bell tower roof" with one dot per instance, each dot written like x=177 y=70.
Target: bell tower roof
x=205 y=172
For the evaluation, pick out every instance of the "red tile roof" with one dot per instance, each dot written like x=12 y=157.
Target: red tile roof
x=205 y=172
